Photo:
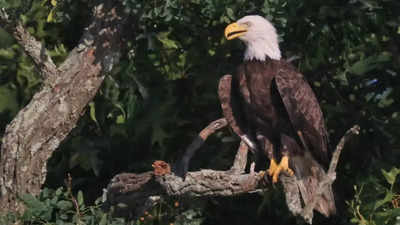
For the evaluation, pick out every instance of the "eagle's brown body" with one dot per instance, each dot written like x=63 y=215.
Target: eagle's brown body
x=278 y=101
x=273 y=105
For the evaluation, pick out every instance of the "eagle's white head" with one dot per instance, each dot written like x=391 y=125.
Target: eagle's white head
x=258 y=34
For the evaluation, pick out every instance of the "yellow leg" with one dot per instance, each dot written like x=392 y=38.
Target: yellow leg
x=274 y=169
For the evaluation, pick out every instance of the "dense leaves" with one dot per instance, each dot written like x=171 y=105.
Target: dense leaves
x=376 y=202
x=164 y=91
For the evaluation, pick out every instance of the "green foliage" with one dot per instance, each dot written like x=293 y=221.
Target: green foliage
x=380 y=204
x=165 y=90
x=61 y=207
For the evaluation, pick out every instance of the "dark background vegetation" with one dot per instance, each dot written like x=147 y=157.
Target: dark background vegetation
x=164 y=91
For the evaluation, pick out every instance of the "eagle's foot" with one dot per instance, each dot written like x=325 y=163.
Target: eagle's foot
x=274 y=169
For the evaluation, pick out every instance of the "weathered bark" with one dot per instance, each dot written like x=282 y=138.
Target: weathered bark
x=53 y=112
x=133 y=194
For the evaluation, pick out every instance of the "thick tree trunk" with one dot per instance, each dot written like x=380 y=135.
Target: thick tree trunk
x=53 y=112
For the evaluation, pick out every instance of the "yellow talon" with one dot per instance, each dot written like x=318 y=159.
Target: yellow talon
x=274 y=169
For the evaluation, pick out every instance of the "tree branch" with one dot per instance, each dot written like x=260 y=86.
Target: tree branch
x=31 y=46
x=239 y=164
x=135 y=191
x=139 y=192
x=182 y=166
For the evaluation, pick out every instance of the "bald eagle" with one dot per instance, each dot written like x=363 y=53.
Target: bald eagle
x=276 y=110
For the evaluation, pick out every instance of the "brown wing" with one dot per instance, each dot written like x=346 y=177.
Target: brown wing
x=303 y=109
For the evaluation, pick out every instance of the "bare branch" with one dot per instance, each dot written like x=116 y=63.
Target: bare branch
x=31 y=46
x=239 y=164
x=210 y=183
x=183 y=164
x=139 y=192
x=355 y=130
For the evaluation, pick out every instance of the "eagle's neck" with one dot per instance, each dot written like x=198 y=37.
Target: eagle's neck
x=262 y=48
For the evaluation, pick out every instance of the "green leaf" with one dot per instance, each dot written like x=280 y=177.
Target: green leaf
x=31 y=201
x=59 y=191
x=44 y=193
x=43 y=3
x=36 y=208
x=63 y=217
x=50 y=17
x=80 y=198
x=391 y=175
x=388 y=198
x=230 y=13
x=168 y=43
x=103 y=220
x=8 y=54
x=92 y=110
x=370 y=63
x=64 y=205
x=388 y=215
x=120 y=119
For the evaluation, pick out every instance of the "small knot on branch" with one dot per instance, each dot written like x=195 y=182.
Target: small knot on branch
x=161 y=168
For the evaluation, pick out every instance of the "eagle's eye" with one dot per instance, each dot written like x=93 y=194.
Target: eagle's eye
x=248 y=23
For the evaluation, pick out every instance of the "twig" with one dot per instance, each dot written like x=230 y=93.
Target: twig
x=355 y=130
x=68 y=182
x=330 y=177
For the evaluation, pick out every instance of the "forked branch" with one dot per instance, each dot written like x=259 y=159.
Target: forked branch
x=330 y=177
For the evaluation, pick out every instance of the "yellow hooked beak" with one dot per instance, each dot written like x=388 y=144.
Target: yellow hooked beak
x=235 y=30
